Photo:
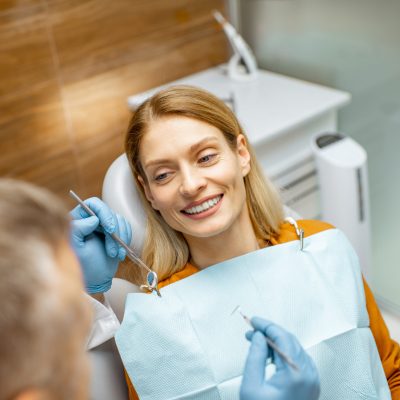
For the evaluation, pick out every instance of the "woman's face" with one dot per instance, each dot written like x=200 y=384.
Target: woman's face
x=194 y=179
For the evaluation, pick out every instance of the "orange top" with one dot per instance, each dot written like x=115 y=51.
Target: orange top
x=389 y=350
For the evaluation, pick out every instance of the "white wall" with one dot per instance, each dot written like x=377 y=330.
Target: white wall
x=354 y=46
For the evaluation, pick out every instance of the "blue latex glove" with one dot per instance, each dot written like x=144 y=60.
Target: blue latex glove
x=286 y=383
x=98 y=253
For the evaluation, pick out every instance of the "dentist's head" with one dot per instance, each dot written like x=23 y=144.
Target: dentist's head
x=44 y=319
x=198 y=176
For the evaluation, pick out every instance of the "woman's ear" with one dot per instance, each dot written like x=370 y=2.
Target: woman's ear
x=147 y=191
x=243 y=154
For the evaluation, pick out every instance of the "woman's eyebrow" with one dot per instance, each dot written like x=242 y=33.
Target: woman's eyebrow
x=202 y=142
x=156 y=162
x=193 y=148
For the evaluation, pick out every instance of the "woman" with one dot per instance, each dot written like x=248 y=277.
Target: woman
x=202 y=189
x=207 y=203
x=250 y=212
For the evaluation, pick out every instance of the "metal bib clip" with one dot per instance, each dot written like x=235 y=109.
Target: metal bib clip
x=299 y=231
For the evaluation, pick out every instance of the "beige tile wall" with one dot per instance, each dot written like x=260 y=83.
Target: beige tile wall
x=67 y=67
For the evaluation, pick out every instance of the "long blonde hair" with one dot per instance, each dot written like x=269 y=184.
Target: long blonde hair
x=165 y=250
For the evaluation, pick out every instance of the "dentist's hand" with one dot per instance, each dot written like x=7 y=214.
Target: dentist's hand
x=98 y=253
x=286 y=383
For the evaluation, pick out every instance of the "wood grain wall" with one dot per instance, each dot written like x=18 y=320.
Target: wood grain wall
x=67 y=68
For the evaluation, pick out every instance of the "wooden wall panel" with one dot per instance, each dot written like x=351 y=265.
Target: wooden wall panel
x=32 y=128
x=67 y=68
x=59 y=174
x=13 y=5
x=94 y=36
x=26 y=57
x=35 y=142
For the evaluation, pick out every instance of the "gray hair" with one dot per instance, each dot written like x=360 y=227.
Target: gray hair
x=36 y=316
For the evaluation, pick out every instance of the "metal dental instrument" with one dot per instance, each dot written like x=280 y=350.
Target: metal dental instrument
x=269 y=341
x=299 y=231
x=152 y=278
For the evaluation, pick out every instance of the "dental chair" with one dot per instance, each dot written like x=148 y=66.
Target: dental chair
x=121 y=194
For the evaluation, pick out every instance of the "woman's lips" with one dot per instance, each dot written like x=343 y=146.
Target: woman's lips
x=206 y=213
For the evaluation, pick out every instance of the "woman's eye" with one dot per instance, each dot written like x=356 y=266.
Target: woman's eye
x=208 y=158
x=161 y=177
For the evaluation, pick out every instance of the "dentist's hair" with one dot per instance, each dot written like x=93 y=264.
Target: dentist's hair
x=265 y=208
x=43 y=319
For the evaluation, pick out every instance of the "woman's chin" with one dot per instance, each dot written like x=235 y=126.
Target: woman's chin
x=207 y=232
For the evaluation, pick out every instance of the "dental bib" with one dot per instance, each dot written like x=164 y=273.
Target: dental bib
x=187 y=345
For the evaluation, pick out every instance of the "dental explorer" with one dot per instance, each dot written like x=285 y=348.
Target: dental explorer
x=152 y=278
x=269 y=341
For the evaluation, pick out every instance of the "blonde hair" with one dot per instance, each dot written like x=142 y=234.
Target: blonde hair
x=41 y=315
x=265 y=208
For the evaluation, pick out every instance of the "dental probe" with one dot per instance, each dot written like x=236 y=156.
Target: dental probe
x=269 y=341
x=152 y=278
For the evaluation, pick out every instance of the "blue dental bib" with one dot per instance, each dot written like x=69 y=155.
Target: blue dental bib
x=187 y=345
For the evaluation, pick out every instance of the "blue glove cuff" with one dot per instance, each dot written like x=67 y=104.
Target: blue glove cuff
x=105 y=287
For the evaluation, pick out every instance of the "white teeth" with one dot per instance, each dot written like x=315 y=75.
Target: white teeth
x=203 y=206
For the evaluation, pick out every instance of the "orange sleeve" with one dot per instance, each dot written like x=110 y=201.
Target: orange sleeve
x=187 y=270
x=310 y=227
x=131 y=390
x=389 y=350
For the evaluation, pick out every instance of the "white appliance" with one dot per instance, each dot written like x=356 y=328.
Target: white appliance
x=343 y=183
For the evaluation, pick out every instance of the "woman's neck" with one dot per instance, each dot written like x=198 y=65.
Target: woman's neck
x=238 y=240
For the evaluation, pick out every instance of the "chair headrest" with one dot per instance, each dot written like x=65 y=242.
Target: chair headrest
x=121 y=194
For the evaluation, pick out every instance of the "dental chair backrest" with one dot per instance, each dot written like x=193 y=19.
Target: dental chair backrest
x=121 y=194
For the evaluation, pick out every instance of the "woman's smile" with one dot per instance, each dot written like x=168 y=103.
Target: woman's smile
x=203 y=208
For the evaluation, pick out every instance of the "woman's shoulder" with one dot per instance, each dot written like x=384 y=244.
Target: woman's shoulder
x=186 y=271
x=310 y=227
x=286 y=234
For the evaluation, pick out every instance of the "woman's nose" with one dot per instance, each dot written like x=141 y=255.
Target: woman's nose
x=192 y=182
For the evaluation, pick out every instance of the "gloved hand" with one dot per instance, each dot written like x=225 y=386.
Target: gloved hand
x=286 y=383
x=98 y=253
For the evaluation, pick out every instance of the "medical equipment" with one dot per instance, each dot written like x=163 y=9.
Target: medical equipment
x=243 y=65
x=152 y=278
x=269 y=341
x=343 y=181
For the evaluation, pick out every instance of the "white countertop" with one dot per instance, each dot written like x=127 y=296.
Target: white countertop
x=267 y=107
